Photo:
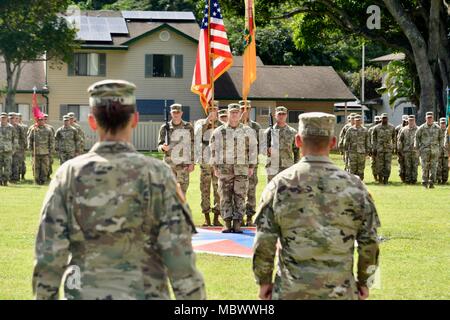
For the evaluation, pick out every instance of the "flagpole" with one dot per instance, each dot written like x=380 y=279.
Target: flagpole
x=211 y=63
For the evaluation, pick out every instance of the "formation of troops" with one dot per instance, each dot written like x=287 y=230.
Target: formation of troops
x=41 y=140
x=428 y=142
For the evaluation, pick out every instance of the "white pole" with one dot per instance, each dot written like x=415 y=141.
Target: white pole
x=363 y=73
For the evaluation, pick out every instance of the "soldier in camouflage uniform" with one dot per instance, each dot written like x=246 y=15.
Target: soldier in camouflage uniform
x=373 y=163
x=428 y=141
x=19 y=154
x=67 y=141
x=81 y=134
x=113 y=219
x=24 y=128
x=8 y=145
x=203 y=130
x=316 y=211
x=41 y=142
x=401 y=161
x=233 y=152
x=250 y=202
x=223 y=116
x=357 y=146
x=405 y=147
x=442 y=169
x=283 y=152
x=182 y=164
x=350 y=123
x=50 y=168
x=383 y=146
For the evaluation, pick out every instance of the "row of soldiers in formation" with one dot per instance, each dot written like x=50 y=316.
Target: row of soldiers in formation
x=42 y=140
x=381 y=140
x=234 y=185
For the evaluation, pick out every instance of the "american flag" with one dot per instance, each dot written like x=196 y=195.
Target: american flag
x=212 y=44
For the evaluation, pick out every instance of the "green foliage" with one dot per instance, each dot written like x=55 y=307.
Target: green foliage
x=372 y=79
x=399 y=83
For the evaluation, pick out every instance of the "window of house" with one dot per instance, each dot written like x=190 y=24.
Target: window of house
x=24 y=109
x=293 y=115
x=408 y=110
x=88 y=64
x=163 y=66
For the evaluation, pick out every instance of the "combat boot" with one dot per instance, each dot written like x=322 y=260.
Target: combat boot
x=425 y=184
x=207 y=222
x=216 y=221
x=249 y=221
x=5 y=183
x=375 y=177
x=23 y=177
x=237 y=226
x=385 y=180
x=431 y=185
x=227 y=228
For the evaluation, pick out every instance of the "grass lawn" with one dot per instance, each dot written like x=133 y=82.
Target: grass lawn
x=415 y=257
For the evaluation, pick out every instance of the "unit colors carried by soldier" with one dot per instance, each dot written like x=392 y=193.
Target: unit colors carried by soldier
x=316 y=211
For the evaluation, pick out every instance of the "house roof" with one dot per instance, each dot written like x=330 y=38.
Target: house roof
x=239 y=62
x=390 y=57
x=285 y=83
x=33 y=74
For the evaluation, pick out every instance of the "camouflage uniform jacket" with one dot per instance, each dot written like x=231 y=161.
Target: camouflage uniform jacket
x=67 y=139
x=41 y=140
x=21 y=138
x=230 y=149
x=383 y=138
x=288 y=153
x=8 y=138
x=80 y=132
x=405 y=140
x=342 y=136
x=203 y=129
x=357 y=140
x=178 y=141
x=429 y=138
x=116 y=216
x=445 y=143
x=316 y=211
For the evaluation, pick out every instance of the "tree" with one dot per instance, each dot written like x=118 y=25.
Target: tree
x=419 y=28
x=30 y=30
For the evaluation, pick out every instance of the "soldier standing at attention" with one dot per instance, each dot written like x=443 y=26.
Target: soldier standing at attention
x=50 y=168
x=8 y=144
x=429 y=140
x=114 y=218
x=67 y=141
x=250 y=202
x=19 y=155
x=405 y=147
x=41 y=142
x=373 y=163
x=383 y=146
x=442 y=170
x=233 y=160
x=24 y=128
x=73 y=123
x=203 y=130
x=357 y=146
x=316 y=211
x=182 y=164
x=283 y=152
x=349 y=124
x=401 y=161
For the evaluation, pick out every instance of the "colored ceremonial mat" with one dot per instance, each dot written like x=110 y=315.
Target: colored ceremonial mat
x=211 y=240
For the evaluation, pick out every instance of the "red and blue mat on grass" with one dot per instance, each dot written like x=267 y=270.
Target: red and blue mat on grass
x=211 y=240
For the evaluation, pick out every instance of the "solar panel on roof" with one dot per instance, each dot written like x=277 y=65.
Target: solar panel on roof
x=94 y=36
x=117 y=25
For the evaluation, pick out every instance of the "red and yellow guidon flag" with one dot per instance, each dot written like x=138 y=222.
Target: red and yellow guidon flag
x=249 y=57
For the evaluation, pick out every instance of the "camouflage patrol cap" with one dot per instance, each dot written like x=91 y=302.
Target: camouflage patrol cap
x=45 y=115
x=71 y=115
x=316 y=124
x=66 y=117
x=106 y=91
x=242 y=103
x=404 y=117
x=411 y=116
x=280 y=109
x=429 y=114
x=19 y=114
x=3 y=115
x=442 y=120
x=357 y=117
x=216 y=103
x=384 y=115
x=176 y=107
x=233 y=107
x=377 y=118
x=222 y=113
x=11 y=114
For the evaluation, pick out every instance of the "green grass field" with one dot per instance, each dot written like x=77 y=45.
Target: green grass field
x=415 y=259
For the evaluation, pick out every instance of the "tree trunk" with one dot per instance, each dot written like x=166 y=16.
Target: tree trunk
x=428 y=97
x=13 y=73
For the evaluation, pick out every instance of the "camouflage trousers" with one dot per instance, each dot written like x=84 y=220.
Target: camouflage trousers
x=18 y=160
x=250 y=203
x=429 y=163
x=41 y=167
x=207 y=178
x=442 y=169
x=50 y=167
x=345 y=159
x=411 y=162
x=181 y=174
x=401 y=166
x=232 y=191
x=357 y=164
x=384 y=161
x=373 y=165
x=65 y=156
x=5 y=166
x=271 y=176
